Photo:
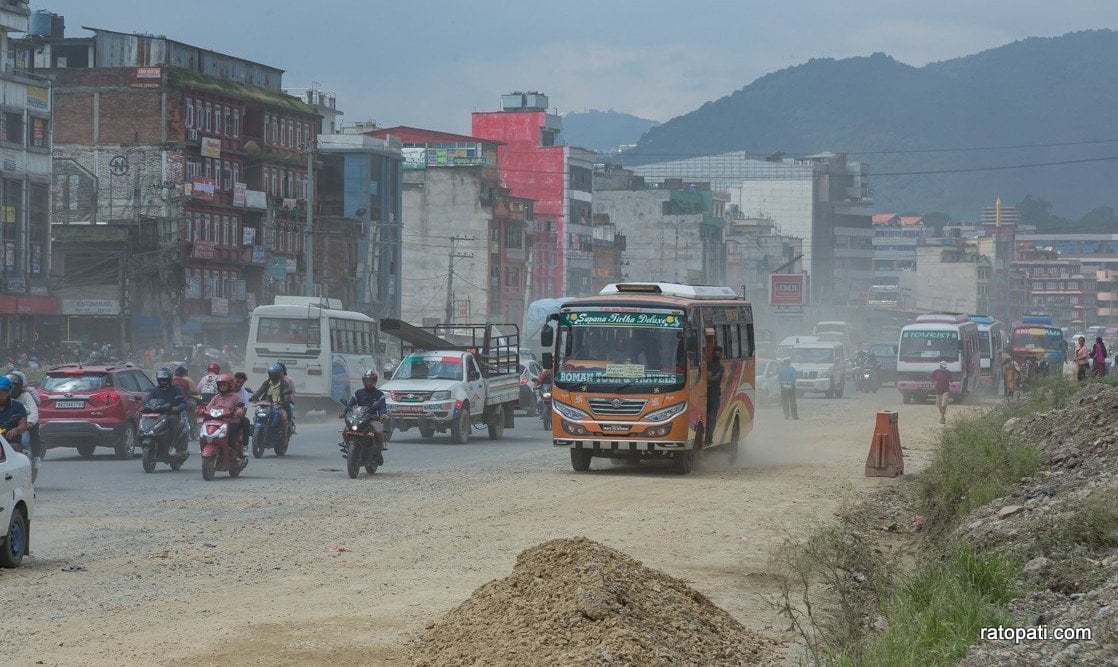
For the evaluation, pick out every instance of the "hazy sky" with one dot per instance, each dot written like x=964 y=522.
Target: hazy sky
x=429 y=64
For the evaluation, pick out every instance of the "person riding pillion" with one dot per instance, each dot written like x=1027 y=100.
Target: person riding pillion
x=165 y=390
x=371 y=397
x=13 y=415
x=276 y=390
x=30 y=400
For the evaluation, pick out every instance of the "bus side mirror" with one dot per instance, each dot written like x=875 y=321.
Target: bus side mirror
x=547 y=336
x=693 y=346
x=548 y=360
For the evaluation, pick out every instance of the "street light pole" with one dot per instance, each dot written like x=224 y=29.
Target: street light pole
x=308 y=234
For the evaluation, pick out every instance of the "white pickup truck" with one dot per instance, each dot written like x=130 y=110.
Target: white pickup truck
x=440 y=390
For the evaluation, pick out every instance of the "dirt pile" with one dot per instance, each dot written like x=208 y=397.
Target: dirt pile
x=1062 y=524
x=577 y=602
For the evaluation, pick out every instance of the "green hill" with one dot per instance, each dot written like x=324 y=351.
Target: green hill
x=900 y=119
x=603 y=131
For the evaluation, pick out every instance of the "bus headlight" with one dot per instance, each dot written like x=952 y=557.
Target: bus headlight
x=440 y=396
x=667 y=413
x=569 y=412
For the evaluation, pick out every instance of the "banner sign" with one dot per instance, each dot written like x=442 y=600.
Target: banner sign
x=650 y=320
x=788 y=289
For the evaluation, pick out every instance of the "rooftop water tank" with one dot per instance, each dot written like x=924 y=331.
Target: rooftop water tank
x=41 y=23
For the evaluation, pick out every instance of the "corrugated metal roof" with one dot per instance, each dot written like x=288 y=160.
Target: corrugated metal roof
x=416 y=135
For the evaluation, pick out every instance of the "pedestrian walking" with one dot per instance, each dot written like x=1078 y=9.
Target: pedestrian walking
x=1082 y=359
x=1098 y=357
x=786 y=375
x=941 y=379
x=1011 y=373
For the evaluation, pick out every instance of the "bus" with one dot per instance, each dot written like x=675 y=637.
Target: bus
x=931 y=339
x=991 y=345
x=325 y=348
x=1036 y=337
x=630 y=372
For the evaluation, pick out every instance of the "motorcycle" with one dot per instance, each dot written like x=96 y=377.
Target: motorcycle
x=217 y=452
x=159 y=443
x=543 y=403
x=866 y=379
x=360 y=445
x=266 y=430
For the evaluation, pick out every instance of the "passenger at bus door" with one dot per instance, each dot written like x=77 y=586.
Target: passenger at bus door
x=714 y=390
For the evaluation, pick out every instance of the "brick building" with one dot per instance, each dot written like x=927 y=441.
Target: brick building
x=202 y=154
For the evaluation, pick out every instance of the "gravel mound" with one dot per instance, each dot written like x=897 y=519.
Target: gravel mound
x=1073 y=584
x=577 y=602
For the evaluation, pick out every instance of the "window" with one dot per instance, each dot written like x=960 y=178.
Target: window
x=513 y=237
x=206 y=122
x=299 y=135
x=217 y=119
x=11 y=127
x=236 y=172
x=228 y=121
x=188 y=119
x=228 y=171
x=227 y=227
x=236 y=122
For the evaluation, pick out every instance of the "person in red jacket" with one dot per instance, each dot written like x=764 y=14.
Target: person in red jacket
x=229 y=399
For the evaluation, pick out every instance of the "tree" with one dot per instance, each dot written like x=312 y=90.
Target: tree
x=1038 y=212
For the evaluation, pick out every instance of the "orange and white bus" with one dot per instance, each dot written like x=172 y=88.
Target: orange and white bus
x=630 y=372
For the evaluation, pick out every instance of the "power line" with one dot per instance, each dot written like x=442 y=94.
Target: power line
x=968 y=170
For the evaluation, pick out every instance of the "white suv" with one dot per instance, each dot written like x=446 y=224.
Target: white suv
x=820 y=367
x=16 y=498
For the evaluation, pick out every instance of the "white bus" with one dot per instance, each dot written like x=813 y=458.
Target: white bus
x=325 y=348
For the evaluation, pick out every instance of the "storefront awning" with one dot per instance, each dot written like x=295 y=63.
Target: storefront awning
x=28 y=305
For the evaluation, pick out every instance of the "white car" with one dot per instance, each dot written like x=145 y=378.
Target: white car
x=16 y=499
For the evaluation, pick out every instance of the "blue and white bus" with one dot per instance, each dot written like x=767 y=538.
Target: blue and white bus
x=325 y=348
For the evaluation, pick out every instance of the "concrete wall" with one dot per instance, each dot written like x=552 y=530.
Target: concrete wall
x=658 y=247
x=936 y=285
x=439 y=203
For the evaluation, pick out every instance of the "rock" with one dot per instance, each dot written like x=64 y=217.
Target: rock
x=1008 y=511
x=1036 y=566
x=1010 y=423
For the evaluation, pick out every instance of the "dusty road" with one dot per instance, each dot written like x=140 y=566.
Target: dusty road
x=296 y=564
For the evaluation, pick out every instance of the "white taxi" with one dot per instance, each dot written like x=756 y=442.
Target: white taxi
x=16 y=499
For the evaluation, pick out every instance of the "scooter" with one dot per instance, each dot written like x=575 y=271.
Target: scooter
x=217 y=452
x=159 y=443
x=361 y=446
x=866 y=379
x=543 y=403
x=267 y=430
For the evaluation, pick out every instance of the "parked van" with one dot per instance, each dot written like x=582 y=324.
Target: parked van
x=992 y=348
x=820 y=366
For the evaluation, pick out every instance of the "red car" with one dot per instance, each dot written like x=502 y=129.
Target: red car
x=92 y=406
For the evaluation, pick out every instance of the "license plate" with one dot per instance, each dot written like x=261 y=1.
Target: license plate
x=615 y=429
x=69 y=404
x=409 y=408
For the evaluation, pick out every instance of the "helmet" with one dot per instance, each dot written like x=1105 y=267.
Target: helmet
x=943 y=364
x=226 y=379
x=213 y=368
x=17 y=377
x=163 y=374
x=283 y=367
x=370 y=375
x=275 y=371
x=5 y=384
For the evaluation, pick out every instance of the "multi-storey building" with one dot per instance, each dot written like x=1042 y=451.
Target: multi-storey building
x=822 y=199
x=464 y=255
x=203 y=155
x=1106 y=282
x=357 y=221
x=950 y=276
x=26 y=304
x=1058 y=286
x=895 y=238
x=608 y=249
x=534 y=164
x=754 y=250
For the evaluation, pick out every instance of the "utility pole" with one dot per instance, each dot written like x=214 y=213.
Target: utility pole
x=308 y=234
x=454 y=254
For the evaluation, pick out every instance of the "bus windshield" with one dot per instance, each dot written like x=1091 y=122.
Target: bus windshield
x=929 y=345
x=620 y=350
x=291 y=330
x=1038 y=338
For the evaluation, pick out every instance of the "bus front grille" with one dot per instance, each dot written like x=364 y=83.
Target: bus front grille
x=627 y=407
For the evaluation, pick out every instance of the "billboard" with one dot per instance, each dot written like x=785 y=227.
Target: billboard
x=788 y=289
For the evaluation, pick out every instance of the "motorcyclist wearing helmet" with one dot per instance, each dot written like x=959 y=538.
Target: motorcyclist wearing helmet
x=275 y=390
x=371 y=397
x=165 y=390
x=30 y=399
x=13 y=416
x=228 y=399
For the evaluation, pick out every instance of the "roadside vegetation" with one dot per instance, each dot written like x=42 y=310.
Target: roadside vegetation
x=874 y=595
